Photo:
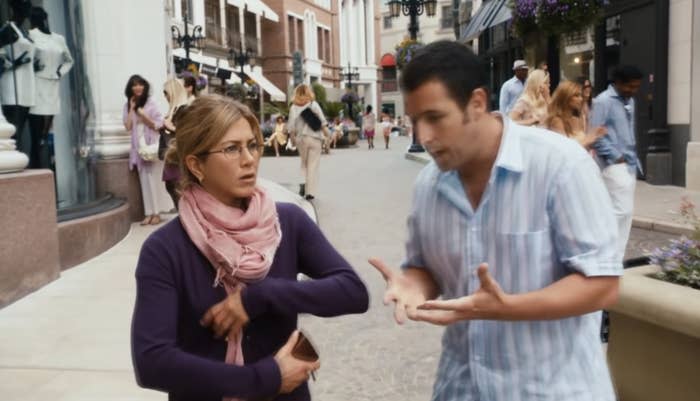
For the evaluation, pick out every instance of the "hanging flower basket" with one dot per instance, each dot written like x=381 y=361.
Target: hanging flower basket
x=554 y=17
x=405 y=51
x=350 y=97
x=191 y=71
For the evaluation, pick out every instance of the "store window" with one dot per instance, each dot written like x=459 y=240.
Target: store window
x=576 y=56
x=69 y=150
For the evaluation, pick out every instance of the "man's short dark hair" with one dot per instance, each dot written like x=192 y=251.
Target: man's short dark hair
x=626 y=73
x=451 y=63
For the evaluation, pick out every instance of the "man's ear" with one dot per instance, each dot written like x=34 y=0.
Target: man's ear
x=194 y=165
x=478 y=104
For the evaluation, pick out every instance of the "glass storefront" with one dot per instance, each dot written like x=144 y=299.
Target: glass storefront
x=70 y=144
x=576 y=56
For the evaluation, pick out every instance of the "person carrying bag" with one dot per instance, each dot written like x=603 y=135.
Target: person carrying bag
x=307 y=122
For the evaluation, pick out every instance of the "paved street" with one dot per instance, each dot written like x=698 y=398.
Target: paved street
x=80 y=349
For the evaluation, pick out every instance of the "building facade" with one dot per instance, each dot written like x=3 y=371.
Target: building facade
x=393 y=32
x=328 y=36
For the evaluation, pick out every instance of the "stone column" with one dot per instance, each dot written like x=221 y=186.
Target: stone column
x=122 y=38
x=692 y=167
x=11 y=160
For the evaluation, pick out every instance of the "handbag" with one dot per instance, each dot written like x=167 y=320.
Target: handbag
x=311 y=119
x=147 y=152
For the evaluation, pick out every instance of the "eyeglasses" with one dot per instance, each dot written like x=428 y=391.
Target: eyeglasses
x=235 y=150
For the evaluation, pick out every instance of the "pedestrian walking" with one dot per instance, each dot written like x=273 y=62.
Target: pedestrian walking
x=143 y=120
x=509 y=226
x=617 y=151
x=513 y=88
x=531 y=108
x=176 y=95
x=217 y=296
x=386 y=128
x=306 y=125
x=369 y=124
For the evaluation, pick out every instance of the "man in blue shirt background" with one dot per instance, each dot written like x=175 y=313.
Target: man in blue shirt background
x=512 y=88
x=617 y=151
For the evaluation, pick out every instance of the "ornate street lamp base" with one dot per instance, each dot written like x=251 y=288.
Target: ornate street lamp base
x=416 y=148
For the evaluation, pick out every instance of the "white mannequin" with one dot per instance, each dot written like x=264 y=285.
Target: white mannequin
x=54 y=61
x=17 y=83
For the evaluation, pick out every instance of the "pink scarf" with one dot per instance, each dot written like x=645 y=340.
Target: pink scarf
x=240 y=245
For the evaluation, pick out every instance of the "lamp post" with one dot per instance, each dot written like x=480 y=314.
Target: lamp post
x=187 y=41
x=413 y=8
x=350 y=74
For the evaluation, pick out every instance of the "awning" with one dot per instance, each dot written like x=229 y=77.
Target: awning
x=207 y=65
x=261 y=9
x=489 y=14
x=388 y=60
x=276 y=95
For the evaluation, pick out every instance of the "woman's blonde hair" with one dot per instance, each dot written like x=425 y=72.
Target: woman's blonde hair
x=202 y=125
x=177 y=96
x=560 y=107
x=303 y=95
x=531 y=92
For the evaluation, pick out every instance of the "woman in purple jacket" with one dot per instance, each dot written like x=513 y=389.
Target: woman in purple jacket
x=217 y=292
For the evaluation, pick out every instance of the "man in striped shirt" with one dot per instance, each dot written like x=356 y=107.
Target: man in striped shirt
x=514 y=228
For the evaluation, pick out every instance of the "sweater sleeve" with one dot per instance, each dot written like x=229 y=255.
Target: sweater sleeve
x=334 y=289
x=158 y=361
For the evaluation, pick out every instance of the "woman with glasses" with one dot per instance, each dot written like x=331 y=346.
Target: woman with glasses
x=587 y=100
x=217 y=293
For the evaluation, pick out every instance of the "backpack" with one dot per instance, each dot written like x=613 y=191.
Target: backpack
x=311 y=119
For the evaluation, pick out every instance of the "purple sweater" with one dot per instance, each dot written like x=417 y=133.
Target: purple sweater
x=173 y=353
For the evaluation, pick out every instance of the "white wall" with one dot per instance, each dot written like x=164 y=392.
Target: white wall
x=679 y=61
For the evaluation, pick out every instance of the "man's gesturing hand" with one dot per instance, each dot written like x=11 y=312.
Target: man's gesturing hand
x=488 y=302
x=404 y=292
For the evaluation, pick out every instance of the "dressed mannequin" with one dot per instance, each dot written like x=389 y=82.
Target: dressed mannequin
x=17 y=84
x=54 y=61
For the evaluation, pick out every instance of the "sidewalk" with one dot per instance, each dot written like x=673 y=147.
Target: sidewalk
x=655 y=206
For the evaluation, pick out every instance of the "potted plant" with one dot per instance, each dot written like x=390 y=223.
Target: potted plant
x=405 y=51
x=654 y=344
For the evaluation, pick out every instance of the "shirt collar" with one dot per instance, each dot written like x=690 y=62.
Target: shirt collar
x=510 y=155
x=614 y=93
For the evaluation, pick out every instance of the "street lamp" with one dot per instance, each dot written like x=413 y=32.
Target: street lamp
x=350 y=74
x=241 y=58
x=413 y=8
x=187 y=41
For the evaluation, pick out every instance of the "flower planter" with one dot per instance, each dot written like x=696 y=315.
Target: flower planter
x=654 y=345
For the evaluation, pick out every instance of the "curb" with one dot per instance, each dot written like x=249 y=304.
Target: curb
x=417 y=158
x=650 y=224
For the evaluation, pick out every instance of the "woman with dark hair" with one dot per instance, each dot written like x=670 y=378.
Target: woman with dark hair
x=369 y=122
x=191 y=88
x=142 y=118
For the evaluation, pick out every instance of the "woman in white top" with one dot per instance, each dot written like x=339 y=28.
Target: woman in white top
x=386 y=128
x=304 y=125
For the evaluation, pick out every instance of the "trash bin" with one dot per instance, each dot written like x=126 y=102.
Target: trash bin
x=658 y=164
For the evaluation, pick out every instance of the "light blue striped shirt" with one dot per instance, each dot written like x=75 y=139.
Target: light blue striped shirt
x=544 y=214
x=617 y=115
x=510 y=92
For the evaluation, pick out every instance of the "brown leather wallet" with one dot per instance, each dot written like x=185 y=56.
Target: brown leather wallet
x=304 y=349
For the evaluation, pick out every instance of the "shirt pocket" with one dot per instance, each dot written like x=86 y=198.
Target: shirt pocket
x=523 y=261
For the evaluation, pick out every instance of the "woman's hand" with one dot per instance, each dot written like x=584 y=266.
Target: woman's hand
x=227 y=317
x=132 y=103
x=293 y=371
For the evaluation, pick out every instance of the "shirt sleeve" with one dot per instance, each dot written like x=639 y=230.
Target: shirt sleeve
x=414 y=255
x=67 y=63
x=319 y=112
x=504 y=99
x=582 y=220
x=334 y=289
x=154 y=114
x=158 y=361
x=604 y=147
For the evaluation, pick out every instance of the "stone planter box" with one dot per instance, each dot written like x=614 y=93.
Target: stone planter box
x=654 y=345
x=349 y=139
